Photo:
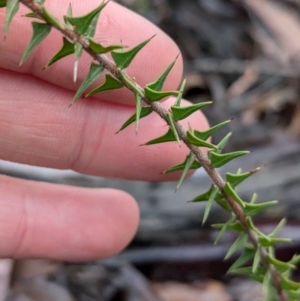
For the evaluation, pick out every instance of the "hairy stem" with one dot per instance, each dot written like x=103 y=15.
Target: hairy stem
x=162 y=112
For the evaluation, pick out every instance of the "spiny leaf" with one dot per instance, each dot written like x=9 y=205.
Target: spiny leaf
x=224 y=229
x=83 y=23
x=158 y=95
x=179 y=167
x=98 y=48
x=234 y=226
x=247 y=271
x=12 y=7
x=253 y=209
x=294 y=295
x=231 y=192
x=168 y=137
x=33 y=15
x=40 y=32
x=278 y=228
x=180 y=113
x=245 y=257
x=236 y=179
x=172 y=125
x=239 y=243
x=256 y=261
x=189 y=162
x=192 y=139
x=271 y=242
x=223 y=142
x=67 y=49
x=158 y=84
x=110 y=84
x=281 y=265
x=94 y=73
x=138 y=110
x=50 y=19
x=124 y=58
x=69 y=14
x=288 y=284
x=2 y=3
x=218 y=160
x=209 y=203
x=179 y=96
x=206 y=134
x=144 y=112
x=203 y=197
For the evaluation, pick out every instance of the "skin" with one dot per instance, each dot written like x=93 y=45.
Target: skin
x=41 y=220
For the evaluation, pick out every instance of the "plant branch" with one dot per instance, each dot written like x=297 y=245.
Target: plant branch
x=162 y=112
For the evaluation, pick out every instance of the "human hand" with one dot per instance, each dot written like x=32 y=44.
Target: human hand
x=41 y=220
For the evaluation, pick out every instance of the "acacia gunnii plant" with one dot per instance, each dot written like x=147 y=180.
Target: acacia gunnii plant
x=257 y=259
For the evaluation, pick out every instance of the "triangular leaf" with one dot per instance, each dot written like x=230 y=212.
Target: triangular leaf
x=281 y=265
x=110 y=84
x=180 y=167
x=206 y=134
x=231 y=192
x=138 y=109
x=12 y=7
x=218 y=160
x=209 y=203
x=2 y=3
x=189 y=162
x=179 y=96
x=247 y=271
x=180 y=113
x=239 y=243
x=253 y=209
x=236 y=179
x=192 y=139
x=271 y=242
x=94 y=73
x=33 y=15
x=245 y=257
x=98 y=48
x=224 y=229
x=40 y=32
x=168 y=137
x=172 y=125
x=223 y=142
x=278 y=228
x=234 y=226
x=293 y=295
x=158 y=95
x=204 y=196
x=82 y=23
x=67 y=49
x=144 y=112
x=158 y=84
x=50 y=19
x=124 y=58
x=288 y=284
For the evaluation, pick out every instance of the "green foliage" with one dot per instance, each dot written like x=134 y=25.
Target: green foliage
x=180 y=113
x=192 y=139
x=158 y=95
x=167 y=137
x=98 y=48
x=180 y=167
x=2 y=3
x=218 y=160
x=40 y=32
x=12 y=7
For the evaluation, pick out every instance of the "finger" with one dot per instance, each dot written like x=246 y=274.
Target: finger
x=41 y=220
x=38 y=128
x=116 y=24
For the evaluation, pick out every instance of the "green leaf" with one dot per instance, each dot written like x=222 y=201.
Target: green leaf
x=2 y=3
x=181 y=166
x=223 y=142
x=278 y=228
x=40 y=2
x=253 y=209
x=203 y=197
x=67 y=49
x=192 y=139
x=256 y=261
x=172 y=125
x=33 y=15
x=224 y=229
x=158 y=95
x=271 y=242
x=293 y=295
x=82 y=23
x=239 y=243
x=236 y=179
x=180 y=113
x=138 y=101
x=247 y=271
x=189 y=162
x=51 y=19
x=94 y=73
x=288 y=284
x=98 y=48
x=110 y=84
x=69 y=14
x=40 y=32
x=124 y=58
x=168 y=137
x=158 y=84
x=211 y=199
x=234 y=226
x=218 y=160
x=12 y=7
x=281 y=266
x=144 y=112
x=231 y=192
x=179 y=97
x=245 y=257
x=206 y=134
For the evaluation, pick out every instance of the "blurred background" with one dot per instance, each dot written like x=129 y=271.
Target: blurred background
x=245 y=56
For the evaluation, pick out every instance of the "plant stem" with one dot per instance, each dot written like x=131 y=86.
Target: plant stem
x=162 y=112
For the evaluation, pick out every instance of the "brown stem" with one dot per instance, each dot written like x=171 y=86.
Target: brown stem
x=161 y=111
